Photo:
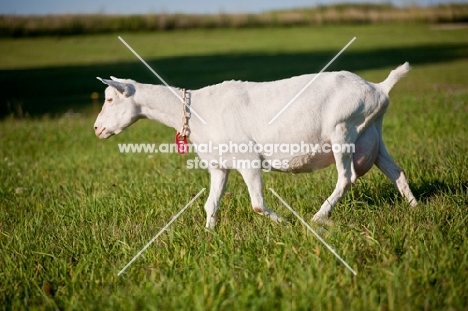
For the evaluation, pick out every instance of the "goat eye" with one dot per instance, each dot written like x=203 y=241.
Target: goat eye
x=109 y=100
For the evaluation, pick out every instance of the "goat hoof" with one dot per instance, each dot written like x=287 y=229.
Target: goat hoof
x=275 y=217
x=321 y=219
x=211 y=223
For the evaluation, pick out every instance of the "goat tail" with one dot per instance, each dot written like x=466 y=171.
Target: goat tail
x=394 y=76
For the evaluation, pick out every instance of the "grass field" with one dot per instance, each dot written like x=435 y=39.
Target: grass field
x=74 y=211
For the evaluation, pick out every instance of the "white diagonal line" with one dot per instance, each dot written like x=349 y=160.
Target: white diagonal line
x=307 y=85
x=162 y=80
x=312 y=230
x=160 y=232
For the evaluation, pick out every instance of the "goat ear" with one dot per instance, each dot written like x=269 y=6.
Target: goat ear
x=125 y=89
x=117 y=79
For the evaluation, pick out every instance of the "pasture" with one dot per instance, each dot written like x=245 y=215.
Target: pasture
x=74 y=211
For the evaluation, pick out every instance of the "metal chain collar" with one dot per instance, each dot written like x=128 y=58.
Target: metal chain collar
x=185 y=130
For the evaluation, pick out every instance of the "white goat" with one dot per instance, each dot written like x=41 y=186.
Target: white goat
x=338 y=108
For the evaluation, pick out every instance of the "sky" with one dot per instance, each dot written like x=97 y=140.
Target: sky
x=41 y=7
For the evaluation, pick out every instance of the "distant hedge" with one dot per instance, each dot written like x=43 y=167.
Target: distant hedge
x=23 y=26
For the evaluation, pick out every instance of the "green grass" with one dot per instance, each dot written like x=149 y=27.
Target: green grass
x=74 y=211
x=53 y=75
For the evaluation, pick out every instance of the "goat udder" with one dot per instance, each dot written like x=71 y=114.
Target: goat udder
x=367 y=149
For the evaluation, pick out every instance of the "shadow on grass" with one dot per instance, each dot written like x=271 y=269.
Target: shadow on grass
x=429 y=189
x=423 y=191
x=58 y=89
